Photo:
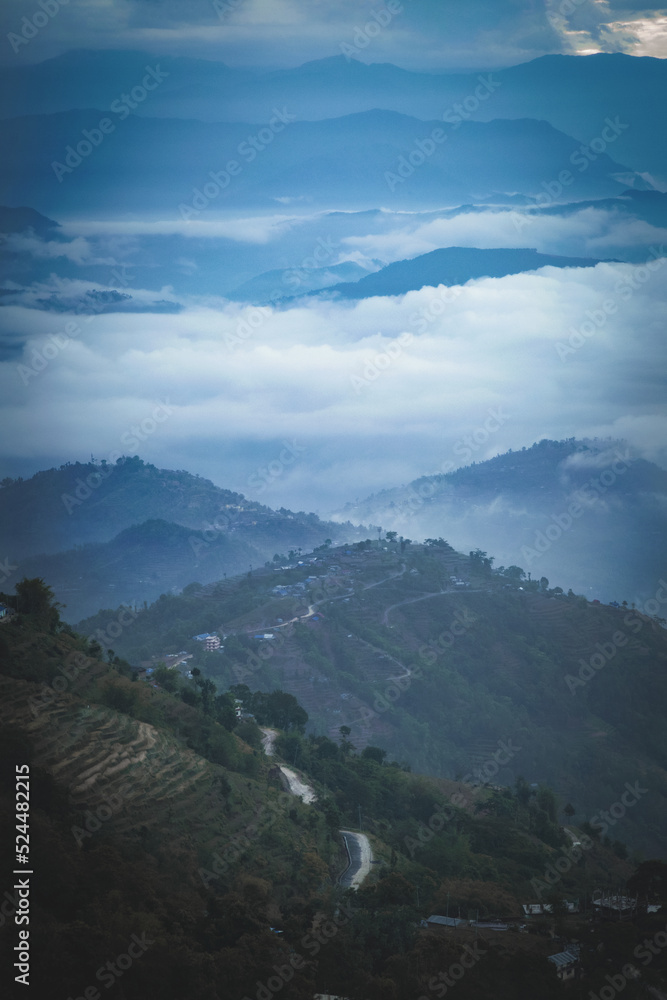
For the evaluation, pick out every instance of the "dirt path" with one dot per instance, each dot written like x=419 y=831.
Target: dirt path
x=269 y=740
x=410 y=600
x=296 y=785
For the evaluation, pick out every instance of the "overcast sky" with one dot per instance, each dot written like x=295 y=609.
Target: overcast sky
x=431 y=35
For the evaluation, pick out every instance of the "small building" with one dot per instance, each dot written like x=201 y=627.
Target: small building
x=447 y=923
x=211 y=642
x=540 y=909
x=566 y=962
x=615 y=907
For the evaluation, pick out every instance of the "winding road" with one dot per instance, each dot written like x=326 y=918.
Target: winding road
x=357 y=845
x=361 y=856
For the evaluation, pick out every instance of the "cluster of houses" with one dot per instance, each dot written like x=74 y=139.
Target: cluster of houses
x=457 y=582
x=566 y=962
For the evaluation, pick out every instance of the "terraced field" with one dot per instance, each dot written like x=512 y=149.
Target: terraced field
x=107 y=759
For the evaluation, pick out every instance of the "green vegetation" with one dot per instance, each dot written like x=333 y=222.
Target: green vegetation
x=162 y=819
x=440 y=673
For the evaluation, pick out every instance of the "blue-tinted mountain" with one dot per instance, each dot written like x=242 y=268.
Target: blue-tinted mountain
x=358 y=161
x=628 y=89
x=517 y=506
x=451 y=266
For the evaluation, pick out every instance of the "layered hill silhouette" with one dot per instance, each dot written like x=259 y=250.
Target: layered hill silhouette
x=547 y=88
x=357 y=161
x=517 y=506
x=450 y=266
x=127 y=532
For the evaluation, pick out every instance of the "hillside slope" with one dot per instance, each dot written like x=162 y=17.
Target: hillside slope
x=443 y=674
x=519 y=507
x=127 y=532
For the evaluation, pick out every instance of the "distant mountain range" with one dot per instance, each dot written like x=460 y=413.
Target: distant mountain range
x=105 y=534
x=450 y=266
x=519 y=507
x=184 y=167
x=625 y=88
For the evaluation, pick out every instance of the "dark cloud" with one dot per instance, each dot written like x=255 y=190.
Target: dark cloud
x=423 y=34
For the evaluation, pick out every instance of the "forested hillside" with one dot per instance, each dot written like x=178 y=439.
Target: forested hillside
x=157 y=822
x=440 y=659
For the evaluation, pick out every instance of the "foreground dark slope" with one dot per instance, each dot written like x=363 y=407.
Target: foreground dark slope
x=155 y=818
x=441 y=674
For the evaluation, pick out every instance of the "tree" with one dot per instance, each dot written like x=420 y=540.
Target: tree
x=522 y=789
x=34 y=597
x=546 y=800
x=374 y=753
x=650 y=881
x=569 y=811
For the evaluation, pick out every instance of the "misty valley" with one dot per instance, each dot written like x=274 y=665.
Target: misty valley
x=333 y=503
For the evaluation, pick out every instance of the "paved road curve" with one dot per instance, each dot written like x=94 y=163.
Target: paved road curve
x=361 y=856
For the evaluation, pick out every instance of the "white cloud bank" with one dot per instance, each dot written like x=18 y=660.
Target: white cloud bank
x=372 y=393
